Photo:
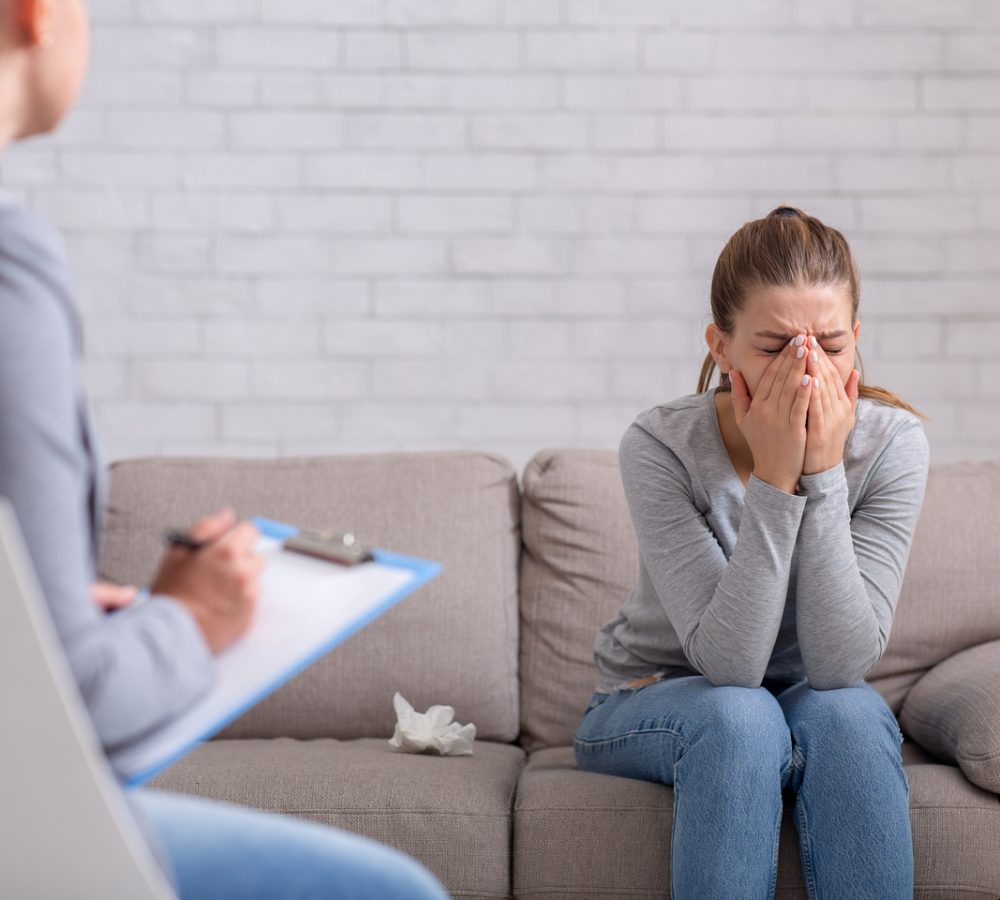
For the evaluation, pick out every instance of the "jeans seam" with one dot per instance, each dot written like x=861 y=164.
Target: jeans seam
x=774 y=860
x=807 y=860
x=673 y=832
x=627 y=734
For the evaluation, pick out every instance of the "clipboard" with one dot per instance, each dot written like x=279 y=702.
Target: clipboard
x=307 y=607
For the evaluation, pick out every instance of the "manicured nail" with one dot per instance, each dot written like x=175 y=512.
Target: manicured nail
x=815 y=356
x=812 y=340
x=799 y=340
x=816 y=382
x=800 y=352
x=805 y=380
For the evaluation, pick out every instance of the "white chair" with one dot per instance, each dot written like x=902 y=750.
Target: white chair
x=65 y=830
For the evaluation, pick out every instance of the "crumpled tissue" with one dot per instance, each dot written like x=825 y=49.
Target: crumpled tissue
x=434 y=731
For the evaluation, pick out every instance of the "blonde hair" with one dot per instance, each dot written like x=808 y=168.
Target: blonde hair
x=786 y=248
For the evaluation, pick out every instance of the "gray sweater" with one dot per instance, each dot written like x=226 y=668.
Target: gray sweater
x=746 y=584
x=135 y=669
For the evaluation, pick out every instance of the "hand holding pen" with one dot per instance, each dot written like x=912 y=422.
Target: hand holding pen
x=214 y=572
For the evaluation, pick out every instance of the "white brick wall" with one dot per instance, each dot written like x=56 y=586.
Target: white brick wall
x=309 y=226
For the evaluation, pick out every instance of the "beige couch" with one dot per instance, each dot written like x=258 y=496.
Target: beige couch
x=505 y=635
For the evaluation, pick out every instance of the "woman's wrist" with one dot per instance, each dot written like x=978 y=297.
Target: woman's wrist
x=825 y=466
x=782 y=484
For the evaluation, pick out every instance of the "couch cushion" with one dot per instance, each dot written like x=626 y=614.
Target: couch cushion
x=949 y=597
x=451 y=813
x=453 y=642
x=584 y=836
x=955 y=711
x=580 y=561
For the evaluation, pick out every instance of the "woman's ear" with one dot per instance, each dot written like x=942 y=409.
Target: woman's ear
x=715 y=339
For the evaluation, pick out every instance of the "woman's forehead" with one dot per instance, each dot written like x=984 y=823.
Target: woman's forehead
x=787 y=311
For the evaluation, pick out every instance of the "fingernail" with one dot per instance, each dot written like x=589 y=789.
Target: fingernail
x=812 y=340
x=815 y=356
x=799 y=340
x=816 y=382
x=805 y=380
x=800 y=352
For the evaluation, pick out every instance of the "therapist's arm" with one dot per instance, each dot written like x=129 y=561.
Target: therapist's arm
x=142 y=666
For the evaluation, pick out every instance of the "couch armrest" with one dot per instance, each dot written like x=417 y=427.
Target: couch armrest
x=954 y=712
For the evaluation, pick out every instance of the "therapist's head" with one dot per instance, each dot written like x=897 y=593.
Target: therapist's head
x=44 y=48
x=779 y=276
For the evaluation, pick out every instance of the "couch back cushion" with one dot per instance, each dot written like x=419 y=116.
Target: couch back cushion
x=951 y=590
x=452 y=642
x=580 y=560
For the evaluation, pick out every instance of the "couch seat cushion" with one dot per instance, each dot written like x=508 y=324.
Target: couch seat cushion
x=451 y=813
x=584 y=836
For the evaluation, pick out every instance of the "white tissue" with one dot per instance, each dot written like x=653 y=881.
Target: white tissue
x=434 y=731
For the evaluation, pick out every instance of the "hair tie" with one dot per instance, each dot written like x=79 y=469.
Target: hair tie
x=786 y=212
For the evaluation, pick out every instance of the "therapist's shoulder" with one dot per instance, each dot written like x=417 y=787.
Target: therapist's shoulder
x=35 y=282
x=22 y=232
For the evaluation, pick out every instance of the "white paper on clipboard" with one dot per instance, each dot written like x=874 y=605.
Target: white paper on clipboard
x=307 y=606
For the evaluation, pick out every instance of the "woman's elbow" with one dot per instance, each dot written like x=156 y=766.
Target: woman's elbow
x=835 y=678
x=723 y=667
x=730 y=676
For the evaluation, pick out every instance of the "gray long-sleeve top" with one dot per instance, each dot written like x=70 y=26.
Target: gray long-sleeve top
x=742 y=584
x=137 y=668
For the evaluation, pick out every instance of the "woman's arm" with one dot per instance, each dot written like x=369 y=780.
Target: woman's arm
x=139 y=667
x=726 y=613
x=851 y=567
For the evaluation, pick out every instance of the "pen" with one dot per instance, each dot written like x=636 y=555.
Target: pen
x=182 y=539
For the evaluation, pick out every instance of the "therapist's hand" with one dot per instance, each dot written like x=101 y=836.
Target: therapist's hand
x=108 y=596
x=218 y=584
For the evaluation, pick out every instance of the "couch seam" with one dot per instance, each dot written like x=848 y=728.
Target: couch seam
x=513 y=620
x=423 y=812
x=627 y=809
x=590 y=890
x=926 y=808
x=524 y=672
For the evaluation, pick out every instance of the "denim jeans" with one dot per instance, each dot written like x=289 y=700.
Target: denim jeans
x=224 y=852
x=729 y=752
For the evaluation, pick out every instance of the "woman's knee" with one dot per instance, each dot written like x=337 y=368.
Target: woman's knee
x=741 y=719
x=854 y=716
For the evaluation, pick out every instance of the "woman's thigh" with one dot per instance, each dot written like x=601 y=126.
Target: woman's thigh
x=221 y=851
x=643 y=733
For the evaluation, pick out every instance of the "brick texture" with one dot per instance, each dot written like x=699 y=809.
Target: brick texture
x=305 y=226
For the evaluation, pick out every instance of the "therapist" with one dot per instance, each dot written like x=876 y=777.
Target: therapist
x=138 y=668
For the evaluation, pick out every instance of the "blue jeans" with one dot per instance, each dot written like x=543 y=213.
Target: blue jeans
x=224 y=852
x=729 y=752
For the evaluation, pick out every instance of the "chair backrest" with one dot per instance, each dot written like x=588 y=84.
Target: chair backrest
x=65 y=829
